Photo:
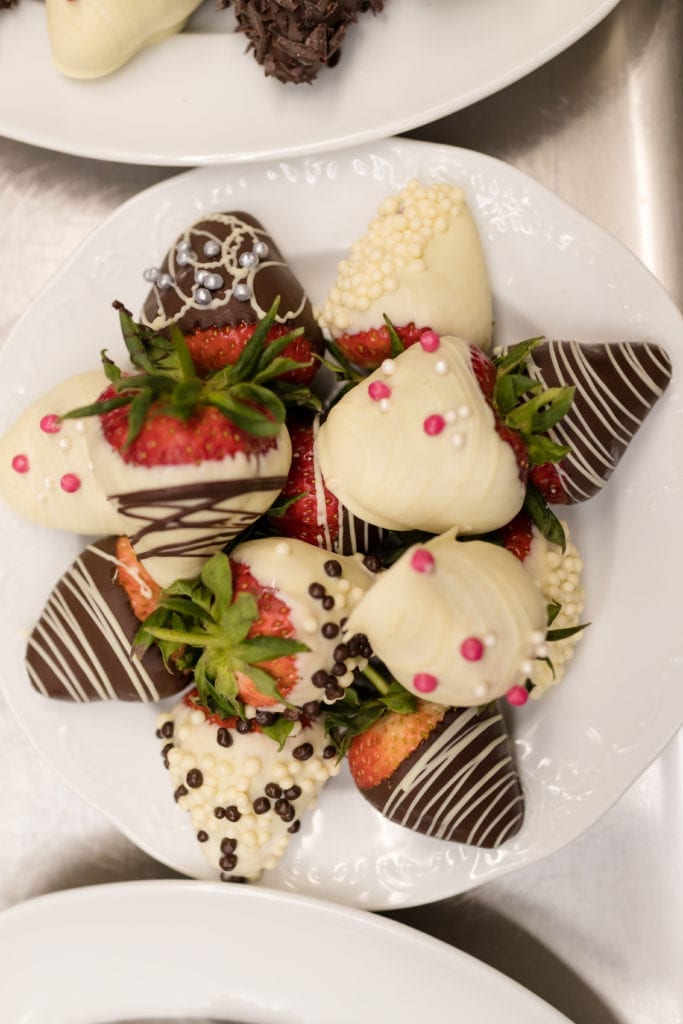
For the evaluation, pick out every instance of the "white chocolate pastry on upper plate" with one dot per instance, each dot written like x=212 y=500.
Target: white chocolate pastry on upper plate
x=415 y=447
x=421 y=261
x=456 y=622
x=91 y=38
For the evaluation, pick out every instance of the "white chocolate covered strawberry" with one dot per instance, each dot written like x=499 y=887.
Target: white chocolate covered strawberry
x=417 y=445
x=456 y=622
x=421 y=264
x=246 y=794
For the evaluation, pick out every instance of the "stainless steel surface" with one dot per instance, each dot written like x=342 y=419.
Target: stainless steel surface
x=596 y=929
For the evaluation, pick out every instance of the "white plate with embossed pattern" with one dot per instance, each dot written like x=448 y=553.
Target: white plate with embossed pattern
x=187 y=950
x=198 y=98
x=552 y=272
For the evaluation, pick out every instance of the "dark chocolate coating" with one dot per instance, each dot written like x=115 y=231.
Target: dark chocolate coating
x=81 y=648
x=616 y=387
x=294 y=39
x=459 y=784
x=237 y=233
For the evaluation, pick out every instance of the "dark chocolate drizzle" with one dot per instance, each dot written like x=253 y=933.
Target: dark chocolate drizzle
x=237 y=233
x=81 y=648
x=191 y=507
x=459 y=784
x=616 y=387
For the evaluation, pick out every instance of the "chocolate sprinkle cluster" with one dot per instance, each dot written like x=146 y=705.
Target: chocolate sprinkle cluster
x=293 y=39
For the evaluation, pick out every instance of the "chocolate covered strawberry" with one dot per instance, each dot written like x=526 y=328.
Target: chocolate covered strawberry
x=311 y=512
x=439 y=437
x=445 y=772
x=421 y=264
x=245 y=786
x=218 y=280
x=188 y=463
x=616 y=386
x=264 y=627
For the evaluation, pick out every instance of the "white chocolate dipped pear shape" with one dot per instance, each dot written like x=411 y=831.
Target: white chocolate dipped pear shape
x=46 y=471
x=91 y=38
x=456 y=622
x=414 y=446
x=421 y=261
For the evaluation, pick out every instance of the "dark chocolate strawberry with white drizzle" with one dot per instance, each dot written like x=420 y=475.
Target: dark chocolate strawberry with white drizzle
x=617 y=384
x=218 y=280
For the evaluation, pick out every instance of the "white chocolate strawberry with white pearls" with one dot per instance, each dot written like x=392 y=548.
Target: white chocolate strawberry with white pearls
x=456 y=622
x=416 y=445
x=246 y=796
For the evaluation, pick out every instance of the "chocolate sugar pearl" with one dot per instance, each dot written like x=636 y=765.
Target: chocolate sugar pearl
x=243 y=726
x=265 y=717
x=219 y=812
x=339 y=668
x=316 y=590
x=223 y=737
x=291 y=714
x=165 y=750
x=328 y=602
x=295 y=826
x=330 y=630
x=194 y=778
x=312 y=709
x=180 y=791
x=329 y=752
x=261 y=804
x=293 y=793
x=273 y=790
x=228 y=862
x=372 y=563
x=333 y=691
x=333 y=568
x=303 y=751
x=203 y=836
x=167 y=730
x=283 y=807
x=232 y=814
x=228 y=845
x=341 y=652
x=319 y=678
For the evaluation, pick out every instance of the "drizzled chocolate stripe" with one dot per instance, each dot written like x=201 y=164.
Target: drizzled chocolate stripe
x=616 y=386
x=460 y=784
x=233 y=235
x=81 y=647
x=196 y=508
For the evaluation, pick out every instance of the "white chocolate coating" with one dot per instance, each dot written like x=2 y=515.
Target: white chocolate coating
x=559 y=575
x=377 y=458
x=37 y=494
x=289 y=567
x=203 y=529
x=421 y=261
x=237 y=776
x=90 y=38
x=417 y=621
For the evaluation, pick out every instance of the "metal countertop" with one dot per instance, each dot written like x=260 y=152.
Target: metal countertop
x=597 y=928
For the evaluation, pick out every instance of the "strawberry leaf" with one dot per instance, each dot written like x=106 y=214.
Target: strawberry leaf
x=397 y=346
x=543 y=517
x=135 y=339
x=139 y=408
x=509 y=389
x=216 y=575
x=278 y=730
x=296 y=394
x=562 y=634
x=262 y=680
x=554 y=610
x=398 y=699
x=280 y=505
x=275 y=348
x=277 y=367
x=235 y=622
x=267 y=648
x=515 y=356
x=542 y=450
x=246 y=365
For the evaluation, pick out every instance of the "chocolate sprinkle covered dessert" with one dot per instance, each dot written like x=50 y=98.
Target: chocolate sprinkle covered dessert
x=294 y=39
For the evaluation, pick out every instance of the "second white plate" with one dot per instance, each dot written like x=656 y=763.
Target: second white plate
x=552 y=272
x=197 y=98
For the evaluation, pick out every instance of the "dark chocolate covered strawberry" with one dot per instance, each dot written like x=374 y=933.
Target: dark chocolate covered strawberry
x=617 y=384
x=245 y=787
x=82 y=647
x=217 y=282
x=188 y=463
x=445 y=772
x=421 y=264
x=264 y=627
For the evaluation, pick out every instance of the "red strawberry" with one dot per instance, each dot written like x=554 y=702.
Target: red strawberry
x=216 y=347
x=546 y=479
x=484 y=371
x=165 y=440
x=370 y=348
x=518 y=445
x=375 y=754
x=518 y=534
x=304 y=519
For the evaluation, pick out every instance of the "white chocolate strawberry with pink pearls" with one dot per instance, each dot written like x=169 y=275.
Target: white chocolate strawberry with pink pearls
x=456 y=622
x=416 y=445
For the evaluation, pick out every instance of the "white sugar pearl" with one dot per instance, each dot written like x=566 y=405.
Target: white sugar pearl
x=151 y=274
x=242 y=292
x=202 y=297
x=261 y=250
x=211 y=249
x=388 y=367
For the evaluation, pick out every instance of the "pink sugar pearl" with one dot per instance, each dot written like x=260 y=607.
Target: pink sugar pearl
x=517 y=696
x=423 y=682
x=20 y=464
x=422 y=561
x=70 y=483
x=433 y=425
x=51 y=424
x=378 y=390
x=472 y=649
x=430 y=341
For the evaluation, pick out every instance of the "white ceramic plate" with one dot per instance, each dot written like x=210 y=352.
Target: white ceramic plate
x=553 y=272
x=197 y=98
x=142 y=949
